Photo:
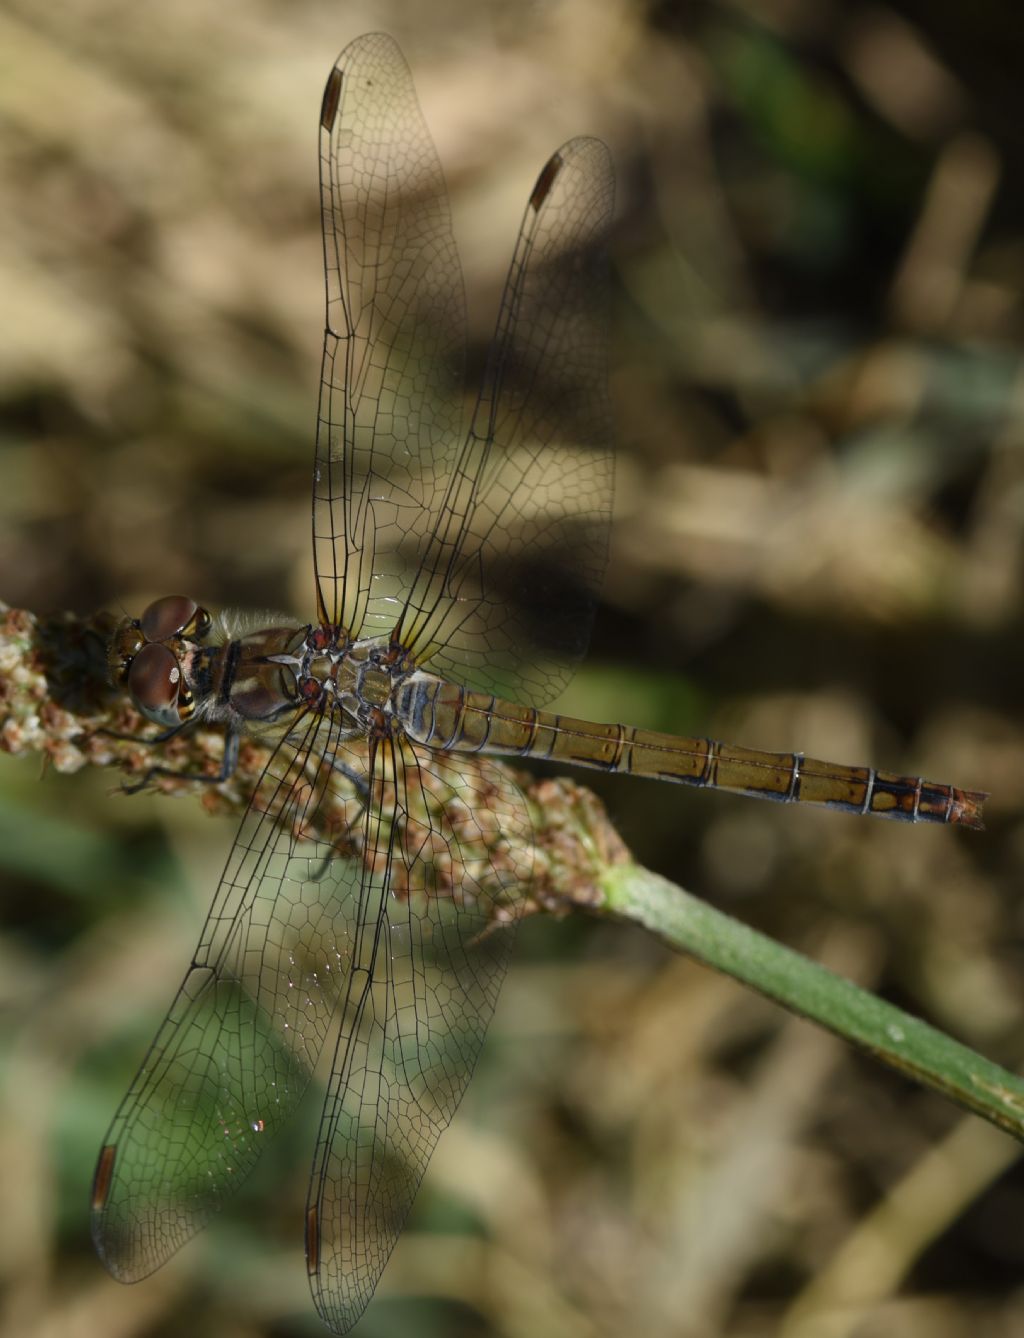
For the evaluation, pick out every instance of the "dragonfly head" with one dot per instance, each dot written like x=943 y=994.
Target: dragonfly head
x=146 y=657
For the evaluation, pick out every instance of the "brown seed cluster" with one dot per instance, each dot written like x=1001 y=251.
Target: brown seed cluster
x=463 y=827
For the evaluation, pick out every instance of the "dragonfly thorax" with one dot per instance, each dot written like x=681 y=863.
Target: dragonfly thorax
x=180 y=664
x=358 y=677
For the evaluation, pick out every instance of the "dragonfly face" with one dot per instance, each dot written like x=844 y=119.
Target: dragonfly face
x=152 y=656
x=175 y=675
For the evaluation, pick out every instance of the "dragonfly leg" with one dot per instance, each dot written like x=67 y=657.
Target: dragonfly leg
x=357 y=778
x=315 y=875
x=229 y=763
x=358 y=781
x=171 y=733
x=362 y=788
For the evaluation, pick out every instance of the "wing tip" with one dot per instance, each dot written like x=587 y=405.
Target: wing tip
x=585 y=154
x=544 y=182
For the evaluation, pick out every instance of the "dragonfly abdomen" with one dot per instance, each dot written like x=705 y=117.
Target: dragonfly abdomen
x=443 y=715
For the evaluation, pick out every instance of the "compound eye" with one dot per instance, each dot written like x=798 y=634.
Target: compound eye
x=170 y=616
x=154 y=680
x=125 y=645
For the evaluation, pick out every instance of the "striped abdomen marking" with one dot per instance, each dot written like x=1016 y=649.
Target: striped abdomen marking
x=443 y=715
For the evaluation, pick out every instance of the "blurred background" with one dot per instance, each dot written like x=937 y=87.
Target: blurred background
x=818 y=388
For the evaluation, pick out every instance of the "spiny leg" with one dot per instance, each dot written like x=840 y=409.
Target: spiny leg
x=228 y=765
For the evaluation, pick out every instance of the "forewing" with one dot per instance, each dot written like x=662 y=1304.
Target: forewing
x=394 y=347
x=504 y=595
x=236 y=1050
x=437 y=920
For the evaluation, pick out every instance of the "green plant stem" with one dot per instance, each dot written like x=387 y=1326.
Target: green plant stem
x=55 y=701
x=814 y=992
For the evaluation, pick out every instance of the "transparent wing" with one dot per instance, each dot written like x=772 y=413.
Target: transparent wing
x=455 y=851
x=236 y=1050
x=504 y=594
x=485 y=550
x=394 y=347
x=410 y=929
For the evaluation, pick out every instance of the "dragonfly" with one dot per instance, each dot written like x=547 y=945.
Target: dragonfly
x=457 y=566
